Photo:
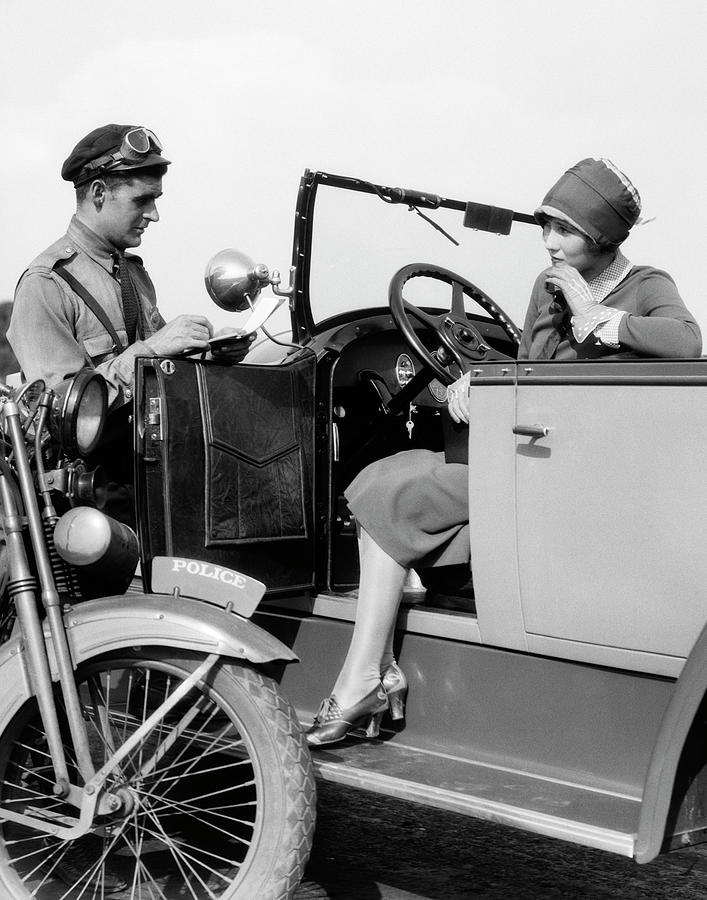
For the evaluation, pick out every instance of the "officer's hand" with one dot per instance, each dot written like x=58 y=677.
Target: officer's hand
x=229 y=346
x=183 y=333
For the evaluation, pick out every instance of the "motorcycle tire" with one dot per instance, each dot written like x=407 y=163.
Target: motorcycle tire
x=219 y=798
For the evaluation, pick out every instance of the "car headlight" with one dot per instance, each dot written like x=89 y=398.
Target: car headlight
x=79 y=412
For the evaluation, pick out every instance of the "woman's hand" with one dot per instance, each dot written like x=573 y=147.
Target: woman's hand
x=458 y=399
x=574 y=288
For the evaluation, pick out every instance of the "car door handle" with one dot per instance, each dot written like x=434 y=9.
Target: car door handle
x=533 y=431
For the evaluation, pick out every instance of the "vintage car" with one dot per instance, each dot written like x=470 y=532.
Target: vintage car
x=559 y=686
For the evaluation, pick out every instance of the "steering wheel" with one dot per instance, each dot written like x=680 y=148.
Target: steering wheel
x=460 y=341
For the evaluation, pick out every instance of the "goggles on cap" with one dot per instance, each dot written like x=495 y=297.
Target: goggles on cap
x=137 y=143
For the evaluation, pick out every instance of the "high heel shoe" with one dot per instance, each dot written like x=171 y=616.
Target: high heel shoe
x=396 y=687
x=333 y=724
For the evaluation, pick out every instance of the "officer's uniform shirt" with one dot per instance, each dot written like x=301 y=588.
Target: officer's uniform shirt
x=52 y=331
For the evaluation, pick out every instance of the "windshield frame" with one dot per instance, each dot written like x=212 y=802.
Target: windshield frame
x=481 y=217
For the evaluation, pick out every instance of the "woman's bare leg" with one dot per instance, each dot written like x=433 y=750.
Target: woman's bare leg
x=380 y=590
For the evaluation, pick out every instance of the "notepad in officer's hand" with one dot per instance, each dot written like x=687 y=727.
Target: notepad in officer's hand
x=260 y=313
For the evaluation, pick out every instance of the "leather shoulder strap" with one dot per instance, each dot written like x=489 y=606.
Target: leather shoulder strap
x=90 y=302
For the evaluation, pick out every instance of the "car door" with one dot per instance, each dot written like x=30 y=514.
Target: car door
x=611 y=510
x=225 y=459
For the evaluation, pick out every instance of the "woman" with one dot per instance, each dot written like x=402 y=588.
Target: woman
x=412 y=508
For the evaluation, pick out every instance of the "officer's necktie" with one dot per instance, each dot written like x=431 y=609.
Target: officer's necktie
x=130 y=301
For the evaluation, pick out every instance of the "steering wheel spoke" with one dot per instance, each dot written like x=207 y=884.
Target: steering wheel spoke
x=458 y=299
x=458 y=337
x=433 y=323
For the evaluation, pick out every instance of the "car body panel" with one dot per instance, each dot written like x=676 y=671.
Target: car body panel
x=675 y=792
x=514 y=710
x=530 y=741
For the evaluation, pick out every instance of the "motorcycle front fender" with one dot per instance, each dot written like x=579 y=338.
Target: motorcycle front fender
x=101 y=626
x=109 y=623
x=14 y=677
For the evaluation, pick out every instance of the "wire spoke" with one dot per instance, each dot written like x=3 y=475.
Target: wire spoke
x=92 y=869
x=216 y=747
x=178 y=847
x=224 y=790
x=213 y=826
x=162 y=836
x=185 y=806
x=140 y=866
x=190 y=774
x=40 y=860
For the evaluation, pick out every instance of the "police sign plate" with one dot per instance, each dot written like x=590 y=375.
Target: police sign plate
x=206 y=581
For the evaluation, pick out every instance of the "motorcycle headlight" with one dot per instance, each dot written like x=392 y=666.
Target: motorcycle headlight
x=79 y=412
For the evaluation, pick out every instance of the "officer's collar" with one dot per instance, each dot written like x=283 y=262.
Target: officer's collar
x=91 y=243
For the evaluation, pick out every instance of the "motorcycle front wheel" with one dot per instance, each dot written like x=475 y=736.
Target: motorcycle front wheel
x=218 y=799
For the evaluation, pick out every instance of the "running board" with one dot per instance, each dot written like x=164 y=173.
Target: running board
x=592 y=817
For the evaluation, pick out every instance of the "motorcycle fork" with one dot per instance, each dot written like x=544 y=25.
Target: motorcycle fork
x=23 y=588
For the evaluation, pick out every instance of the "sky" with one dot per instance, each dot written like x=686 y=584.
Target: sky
x=489 y=101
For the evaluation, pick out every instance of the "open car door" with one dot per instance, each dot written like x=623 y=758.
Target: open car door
x=224 y=469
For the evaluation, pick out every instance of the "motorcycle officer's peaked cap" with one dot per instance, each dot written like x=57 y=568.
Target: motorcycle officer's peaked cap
x=109 y=149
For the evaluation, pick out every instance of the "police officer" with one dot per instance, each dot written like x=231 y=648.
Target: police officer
x=85 y=301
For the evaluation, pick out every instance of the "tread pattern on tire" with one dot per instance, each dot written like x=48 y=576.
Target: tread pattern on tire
x=301 y=801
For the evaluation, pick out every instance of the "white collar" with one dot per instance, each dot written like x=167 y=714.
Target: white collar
x=613 y=274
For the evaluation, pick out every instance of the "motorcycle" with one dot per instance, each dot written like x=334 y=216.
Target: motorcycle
x=144 y=751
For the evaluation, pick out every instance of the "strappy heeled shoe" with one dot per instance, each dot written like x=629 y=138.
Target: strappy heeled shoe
x=333 y=724
x=396 y=687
